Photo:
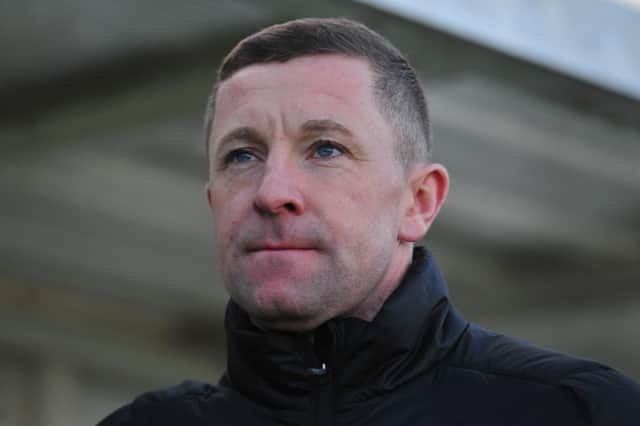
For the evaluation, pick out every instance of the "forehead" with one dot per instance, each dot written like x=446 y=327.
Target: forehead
x=328 y=72
x=310 y=82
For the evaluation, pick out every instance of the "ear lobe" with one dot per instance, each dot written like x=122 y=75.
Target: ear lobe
x=429 y=188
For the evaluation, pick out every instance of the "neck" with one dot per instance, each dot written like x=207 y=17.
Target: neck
x=370 y=306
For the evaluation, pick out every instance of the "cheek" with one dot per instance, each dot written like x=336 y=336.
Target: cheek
x=366 y=200
x=375 y=207
x=227 y=210
x=349 y=213
x=224 y=230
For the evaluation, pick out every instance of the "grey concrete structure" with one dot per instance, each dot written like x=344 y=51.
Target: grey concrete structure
x=107 y=283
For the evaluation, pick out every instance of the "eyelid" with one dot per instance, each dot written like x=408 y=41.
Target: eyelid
x=322 y=141
x=326 y=141
x=227 y=158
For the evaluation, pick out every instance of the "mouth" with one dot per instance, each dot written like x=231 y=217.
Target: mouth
x=283 y=246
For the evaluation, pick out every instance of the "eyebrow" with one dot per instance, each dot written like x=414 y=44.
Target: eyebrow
x=250 y=134
x=245 y=133
x=327 y=125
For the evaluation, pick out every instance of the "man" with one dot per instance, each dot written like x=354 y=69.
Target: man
x=320 y=185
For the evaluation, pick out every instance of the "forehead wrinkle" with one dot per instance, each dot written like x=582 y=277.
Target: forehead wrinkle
x=324 y=125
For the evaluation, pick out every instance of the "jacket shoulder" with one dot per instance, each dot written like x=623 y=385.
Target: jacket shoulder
x=605 y=396
x=166 y=406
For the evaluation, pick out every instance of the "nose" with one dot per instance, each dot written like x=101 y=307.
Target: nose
x=278 y=192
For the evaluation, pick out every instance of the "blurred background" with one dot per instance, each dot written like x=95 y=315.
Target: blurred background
x=107 y=283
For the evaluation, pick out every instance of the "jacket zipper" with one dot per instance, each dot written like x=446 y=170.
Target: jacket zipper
x=323 y=398
x=324 y=387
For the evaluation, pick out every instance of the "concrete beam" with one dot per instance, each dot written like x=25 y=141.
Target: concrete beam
x=593 y=40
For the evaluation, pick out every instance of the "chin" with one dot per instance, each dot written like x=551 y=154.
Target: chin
x=286 y=301
x=283 y=312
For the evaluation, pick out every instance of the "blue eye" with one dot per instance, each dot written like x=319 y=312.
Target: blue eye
x=327 y=150
x=239 y=156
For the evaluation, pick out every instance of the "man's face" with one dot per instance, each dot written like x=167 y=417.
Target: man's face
x=306 y=194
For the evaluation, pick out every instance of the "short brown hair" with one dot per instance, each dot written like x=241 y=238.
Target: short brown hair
x=396 y=86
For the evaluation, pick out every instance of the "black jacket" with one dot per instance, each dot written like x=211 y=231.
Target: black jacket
x=398 y=369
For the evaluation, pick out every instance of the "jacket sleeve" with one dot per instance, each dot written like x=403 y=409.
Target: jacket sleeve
x=608 y=397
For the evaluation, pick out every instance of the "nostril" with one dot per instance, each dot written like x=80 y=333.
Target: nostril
x=290 y=206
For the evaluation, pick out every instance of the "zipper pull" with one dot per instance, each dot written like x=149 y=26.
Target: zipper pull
x=315 y=371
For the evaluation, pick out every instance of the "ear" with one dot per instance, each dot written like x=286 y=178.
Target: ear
x=429 y=185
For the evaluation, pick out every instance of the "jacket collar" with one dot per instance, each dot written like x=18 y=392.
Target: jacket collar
x=416 y=328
